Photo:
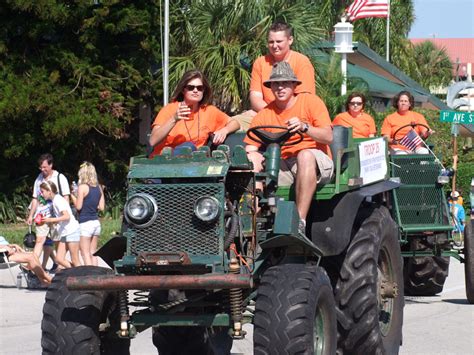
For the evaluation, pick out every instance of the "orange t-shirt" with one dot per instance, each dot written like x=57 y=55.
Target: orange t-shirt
x=362 y=126
x=308 y=108
x=301 y=65
x=394 y=121
x=196 y=130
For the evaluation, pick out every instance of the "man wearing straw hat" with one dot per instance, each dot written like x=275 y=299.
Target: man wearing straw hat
x=308 y=162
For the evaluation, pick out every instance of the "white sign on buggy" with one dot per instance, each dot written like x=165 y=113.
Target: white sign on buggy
x=373 y=161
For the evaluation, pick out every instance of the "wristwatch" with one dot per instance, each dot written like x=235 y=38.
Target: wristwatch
x=305 y=128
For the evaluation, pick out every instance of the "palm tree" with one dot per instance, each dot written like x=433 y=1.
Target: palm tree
x=224 y=37
x=432 y=66
x=329 y=80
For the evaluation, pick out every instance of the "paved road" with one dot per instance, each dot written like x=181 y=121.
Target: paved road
x=433 y=325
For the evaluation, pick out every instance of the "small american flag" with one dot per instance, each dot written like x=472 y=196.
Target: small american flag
x=411 y=140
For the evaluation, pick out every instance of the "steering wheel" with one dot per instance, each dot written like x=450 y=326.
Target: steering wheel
x=408 y=125
x=259 y=135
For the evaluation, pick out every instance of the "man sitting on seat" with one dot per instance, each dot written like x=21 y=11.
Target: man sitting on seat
x=279 y=41
x=308 y=162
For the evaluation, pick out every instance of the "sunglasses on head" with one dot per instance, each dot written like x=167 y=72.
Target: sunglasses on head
x=192 y=87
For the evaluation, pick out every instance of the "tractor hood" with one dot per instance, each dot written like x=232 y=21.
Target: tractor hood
x=195 y=165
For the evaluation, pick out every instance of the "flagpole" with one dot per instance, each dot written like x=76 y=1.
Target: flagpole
x=166 y=54
x=436 y=158
x=387 y=52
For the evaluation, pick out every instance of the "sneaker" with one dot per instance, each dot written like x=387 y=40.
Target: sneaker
x=53 y=268
x=302 y=227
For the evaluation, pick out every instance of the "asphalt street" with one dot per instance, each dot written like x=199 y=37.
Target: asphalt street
x=439 y=325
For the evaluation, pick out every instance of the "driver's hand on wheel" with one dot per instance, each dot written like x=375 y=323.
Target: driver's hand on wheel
x=428 y=133
x=294 y=124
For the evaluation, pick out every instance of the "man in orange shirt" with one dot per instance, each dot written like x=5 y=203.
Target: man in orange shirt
x=280 y=39
x=307 y=162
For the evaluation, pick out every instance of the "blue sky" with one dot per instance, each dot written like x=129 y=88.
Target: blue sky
x=443 y=19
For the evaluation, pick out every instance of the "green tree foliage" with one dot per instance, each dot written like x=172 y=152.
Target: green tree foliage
x=223 y=37
x=372 y=31
x=432 y=67
x=72 y=75
x=329 y=80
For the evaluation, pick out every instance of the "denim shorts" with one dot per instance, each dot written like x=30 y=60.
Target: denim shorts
x=71 y=238
x=48 y=242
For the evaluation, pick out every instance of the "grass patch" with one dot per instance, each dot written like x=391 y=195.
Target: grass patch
x=14 y=232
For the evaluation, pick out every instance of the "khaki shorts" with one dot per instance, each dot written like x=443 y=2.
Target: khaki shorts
x=244 y=119
x=47 y=229
x=90 y=228
x=324 y=168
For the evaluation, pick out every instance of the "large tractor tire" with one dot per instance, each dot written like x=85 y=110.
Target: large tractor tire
x=369 y=291
x=425 y=276
x=294 y=312
x=71 y=319
x=469 y=260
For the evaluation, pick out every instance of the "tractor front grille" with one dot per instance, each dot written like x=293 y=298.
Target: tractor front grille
x=420 y=199
x=177 y=228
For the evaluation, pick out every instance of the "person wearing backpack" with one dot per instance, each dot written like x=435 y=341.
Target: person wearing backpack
x=41 y=208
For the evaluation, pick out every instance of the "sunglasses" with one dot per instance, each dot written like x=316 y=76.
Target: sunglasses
x=355 y=103
x=192 y=87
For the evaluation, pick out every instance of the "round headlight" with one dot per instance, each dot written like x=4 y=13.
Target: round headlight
x=207 y=208
x=141 y=210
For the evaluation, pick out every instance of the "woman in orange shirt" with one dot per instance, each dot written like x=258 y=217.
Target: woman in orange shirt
x=190 y=117
x=363 y=125
x=404 y=103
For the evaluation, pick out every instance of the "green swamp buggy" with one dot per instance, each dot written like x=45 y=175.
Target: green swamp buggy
x=421 y=211
x=195 y=261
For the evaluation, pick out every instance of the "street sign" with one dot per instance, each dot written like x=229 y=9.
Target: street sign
x=456 y=117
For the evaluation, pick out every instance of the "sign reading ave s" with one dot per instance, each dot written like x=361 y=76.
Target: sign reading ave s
x=456 y=117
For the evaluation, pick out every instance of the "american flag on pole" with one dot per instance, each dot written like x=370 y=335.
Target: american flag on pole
x=367 y=8
x=411 y=140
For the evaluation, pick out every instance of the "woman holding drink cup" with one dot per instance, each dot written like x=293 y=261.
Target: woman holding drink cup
x=189 y=118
